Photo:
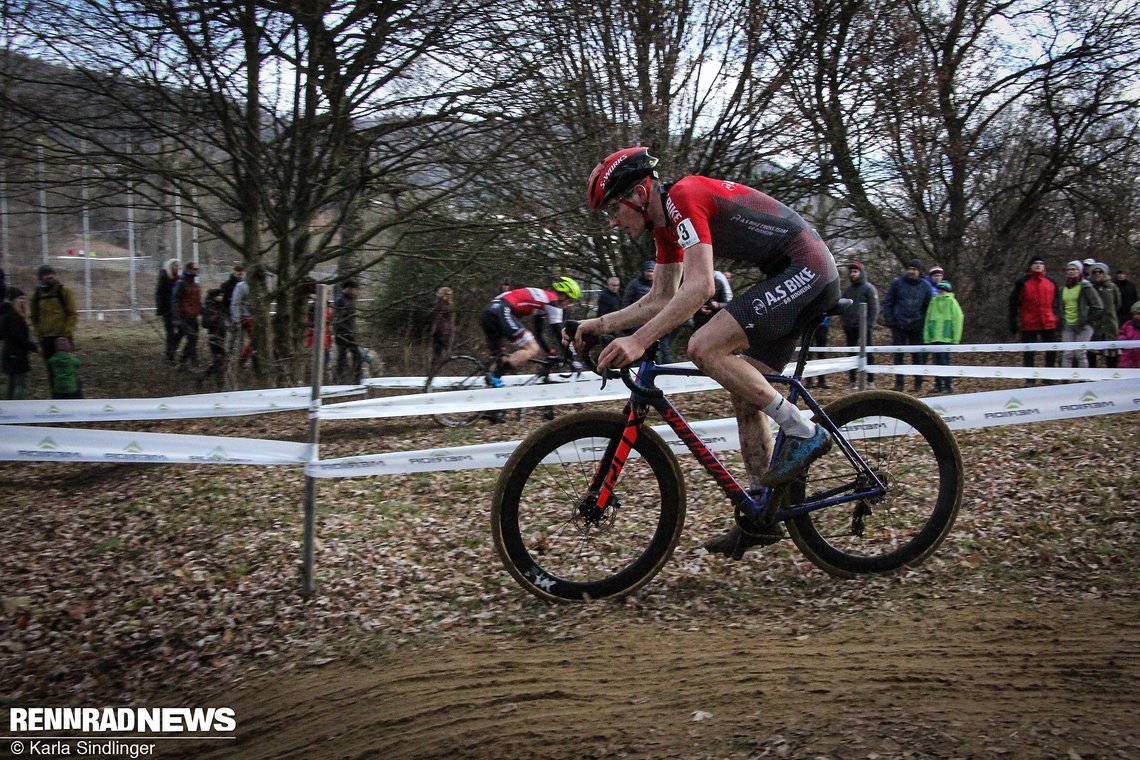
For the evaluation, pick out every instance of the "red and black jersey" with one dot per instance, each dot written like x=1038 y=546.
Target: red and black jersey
x=741 y=224
x=526 y=301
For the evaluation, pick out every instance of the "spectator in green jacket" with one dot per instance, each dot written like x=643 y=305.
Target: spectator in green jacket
x=943 y=327
x=53 y=314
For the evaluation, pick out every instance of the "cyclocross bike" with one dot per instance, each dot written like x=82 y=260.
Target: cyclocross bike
x=460 y=372
x=592 y=505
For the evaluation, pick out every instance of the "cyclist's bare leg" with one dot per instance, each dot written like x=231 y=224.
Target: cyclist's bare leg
x=755 y=439
x=521 y=355
x=713 y=347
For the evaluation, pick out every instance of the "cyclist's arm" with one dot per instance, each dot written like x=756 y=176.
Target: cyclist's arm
x=696 y=288
x=666 y=279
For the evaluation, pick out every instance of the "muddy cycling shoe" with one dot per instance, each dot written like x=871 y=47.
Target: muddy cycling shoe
x=795 y=456
x=736 y=541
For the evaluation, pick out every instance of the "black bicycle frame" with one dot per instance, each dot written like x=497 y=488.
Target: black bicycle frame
x=645 y=394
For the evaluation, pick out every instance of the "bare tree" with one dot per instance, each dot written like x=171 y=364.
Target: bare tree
x=278 y=124
x=952 y=127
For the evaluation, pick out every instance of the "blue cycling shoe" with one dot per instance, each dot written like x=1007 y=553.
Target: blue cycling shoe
x=795 y=456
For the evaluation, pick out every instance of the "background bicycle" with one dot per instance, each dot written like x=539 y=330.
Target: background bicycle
x=465 y=372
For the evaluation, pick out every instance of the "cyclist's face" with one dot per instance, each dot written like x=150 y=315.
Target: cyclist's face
x=625 y=214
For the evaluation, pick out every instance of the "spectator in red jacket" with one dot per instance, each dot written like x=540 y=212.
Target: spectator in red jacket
x=1033 y=306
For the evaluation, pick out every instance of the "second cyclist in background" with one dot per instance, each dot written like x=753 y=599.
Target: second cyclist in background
x=502 y=324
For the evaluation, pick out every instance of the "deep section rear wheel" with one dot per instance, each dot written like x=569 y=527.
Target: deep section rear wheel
x=555 y=542
x=457 y=373
x=912 y=450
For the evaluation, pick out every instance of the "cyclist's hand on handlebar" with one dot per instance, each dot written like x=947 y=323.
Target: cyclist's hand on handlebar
x=621 y=353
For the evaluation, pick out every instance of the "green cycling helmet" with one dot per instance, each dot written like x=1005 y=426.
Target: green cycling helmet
x=567 y=287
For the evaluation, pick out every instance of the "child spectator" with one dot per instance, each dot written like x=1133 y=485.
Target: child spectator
x=943 y=326
x=1130 y=330
x=17 y=342
x=64 y=371
x=214 y=320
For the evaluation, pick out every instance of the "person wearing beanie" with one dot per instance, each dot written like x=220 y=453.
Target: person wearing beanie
x=53 y=315
x=904 y=311
x=943 y=327
x=1106 y=325
x=1034 y=303
x=859 y=291
x=1080 y=307
x=1130 y=330
x=934 y=276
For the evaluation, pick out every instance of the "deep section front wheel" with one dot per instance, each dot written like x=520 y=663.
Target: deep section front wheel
x=910 y=449
x=457 y=373
x=547 y=529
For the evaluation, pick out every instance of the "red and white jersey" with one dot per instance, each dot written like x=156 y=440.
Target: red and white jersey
x=740 y=223
x=526 y=301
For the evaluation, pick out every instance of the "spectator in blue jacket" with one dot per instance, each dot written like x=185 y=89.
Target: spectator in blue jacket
x=904 y=311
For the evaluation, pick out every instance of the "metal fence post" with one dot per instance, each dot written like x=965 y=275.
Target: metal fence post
x=862 y=375
x=308 y=585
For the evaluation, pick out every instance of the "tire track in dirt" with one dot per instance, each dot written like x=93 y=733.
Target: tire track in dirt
x=985 y=680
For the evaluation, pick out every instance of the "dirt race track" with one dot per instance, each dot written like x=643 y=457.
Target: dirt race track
x=982 y=678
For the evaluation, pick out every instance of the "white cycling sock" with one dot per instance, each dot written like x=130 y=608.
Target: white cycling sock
x=788 y=417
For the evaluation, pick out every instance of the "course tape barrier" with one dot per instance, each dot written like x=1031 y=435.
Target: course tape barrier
x=961 y=412
x=1010 y=373
x=539 y=395
x=983 y=348
x=232 y=404
x=40 y=444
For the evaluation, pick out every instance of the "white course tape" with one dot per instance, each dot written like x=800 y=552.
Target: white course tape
x=983 y=348
x=542 y=394
x=962 y=412
x=1013 y=373
x=39 y=444
x=236 y=403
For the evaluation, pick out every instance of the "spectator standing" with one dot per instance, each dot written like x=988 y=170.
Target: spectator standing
x=1106 y=325
x=53 y=314
x=859 y=290
x=1130 y=330
x=242 y=317
x=1128 y=295
x=163 y=293
x=65 y=371
x=237 y=274
x=186 y=307
x=634 y=292
x=934 y=276
x=15 y=342
x=1086 y=267
x=215 y=321
x=1033 y=306
x=943 y=326
x=442 y=324
x=344 y=333
x=610 y=299
x=1079 y=306
x=904 y=311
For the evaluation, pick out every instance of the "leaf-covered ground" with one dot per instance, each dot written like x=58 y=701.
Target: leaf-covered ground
x=154 y=585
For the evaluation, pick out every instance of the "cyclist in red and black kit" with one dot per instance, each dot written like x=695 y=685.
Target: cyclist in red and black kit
x=502 y=325
x=692 y=220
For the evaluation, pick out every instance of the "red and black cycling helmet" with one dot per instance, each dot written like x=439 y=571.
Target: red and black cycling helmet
x=617 y=174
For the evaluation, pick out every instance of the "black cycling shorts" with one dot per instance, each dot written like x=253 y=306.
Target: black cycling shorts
x=774 y=312
x=500 y=326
